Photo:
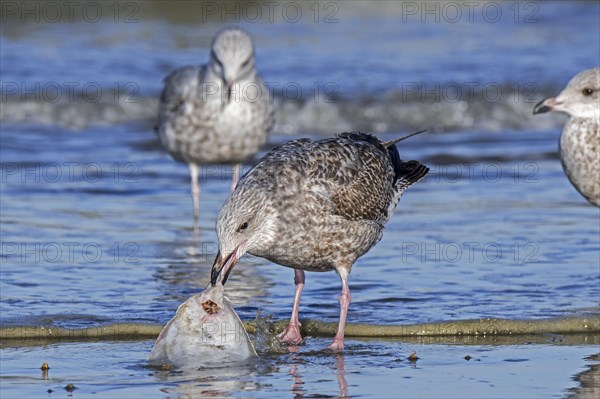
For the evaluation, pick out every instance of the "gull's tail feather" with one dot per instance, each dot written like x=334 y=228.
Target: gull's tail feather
x=408 y=173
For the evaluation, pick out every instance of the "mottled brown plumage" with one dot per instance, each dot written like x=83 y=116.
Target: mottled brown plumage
x=315 y=206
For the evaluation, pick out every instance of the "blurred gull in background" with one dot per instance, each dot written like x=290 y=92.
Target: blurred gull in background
x=216 y=113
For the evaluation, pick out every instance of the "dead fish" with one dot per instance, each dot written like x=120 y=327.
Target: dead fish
x=205 y=332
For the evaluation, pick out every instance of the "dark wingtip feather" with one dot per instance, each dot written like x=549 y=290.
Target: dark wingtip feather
x=409 y=172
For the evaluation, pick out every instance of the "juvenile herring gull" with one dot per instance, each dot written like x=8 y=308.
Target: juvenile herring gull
x=216 y=113
x=579 y=143
x=315 y=206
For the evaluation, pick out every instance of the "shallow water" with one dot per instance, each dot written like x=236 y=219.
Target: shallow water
x=96 y=219
x=367 y=369
x=459 y=247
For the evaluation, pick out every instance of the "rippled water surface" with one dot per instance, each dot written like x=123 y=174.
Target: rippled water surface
x=367 y=369
x=96 y=218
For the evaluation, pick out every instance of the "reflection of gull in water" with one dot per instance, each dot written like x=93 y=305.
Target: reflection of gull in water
x=340 y=363
x=297 y=383
x=234 y=381
x=298 y=389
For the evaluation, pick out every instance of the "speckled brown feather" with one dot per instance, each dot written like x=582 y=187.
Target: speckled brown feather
x=326 y=201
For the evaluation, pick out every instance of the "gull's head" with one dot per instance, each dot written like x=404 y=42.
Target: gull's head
x=580 y=99
x=246 y=223
x=232 y=56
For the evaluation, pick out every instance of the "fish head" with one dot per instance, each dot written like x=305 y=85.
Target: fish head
x=211 y=300
x=205 y=332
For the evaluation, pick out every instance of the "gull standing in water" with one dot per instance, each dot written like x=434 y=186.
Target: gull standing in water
x=579 y=143
x=314 y=206
x=216 y=113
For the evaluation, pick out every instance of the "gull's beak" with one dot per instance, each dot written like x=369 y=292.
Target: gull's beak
x=225 y=265
x=229 y=83
x=546 y=105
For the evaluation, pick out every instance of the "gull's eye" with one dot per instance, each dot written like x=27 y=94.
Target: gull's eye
x=245 y=64
x=587 y=91
x=243 y=226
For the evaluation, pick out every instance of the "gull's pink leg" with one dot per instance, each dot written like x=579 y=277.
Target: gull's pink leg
x=291 y=335
x=344 y=300
x=195 y=192
x=236 y=176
